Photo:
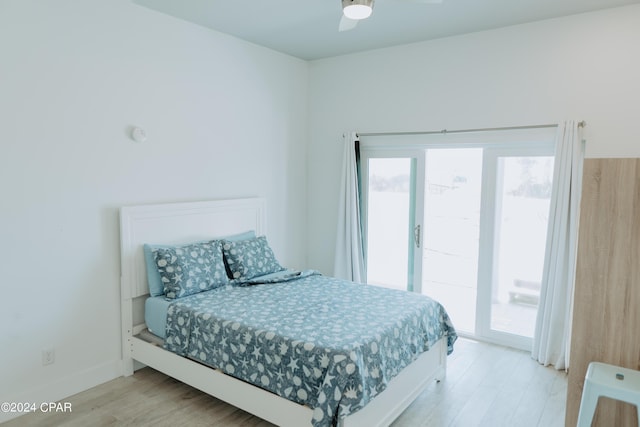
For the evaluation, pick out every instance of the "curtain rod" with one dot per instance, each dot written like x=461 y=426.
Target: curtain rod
x=445 y=131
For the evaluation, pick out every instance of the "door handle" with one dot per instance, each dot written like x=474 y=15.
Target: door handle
x=416 y=235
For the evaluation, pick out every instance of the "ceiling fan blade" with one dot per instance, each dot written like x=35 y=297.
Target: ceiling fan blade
x=347 y=24
x=421 y=1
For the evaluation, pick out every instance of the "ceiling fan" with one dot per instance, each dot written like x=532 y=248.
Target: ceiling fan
x=354 y=11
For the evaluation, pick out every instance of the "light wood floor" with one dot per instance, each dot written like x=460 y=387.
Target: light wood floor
x=486 y=385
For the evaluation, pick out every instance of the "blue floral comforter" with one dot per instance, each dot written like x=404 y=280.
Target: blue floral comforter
x=322 y=342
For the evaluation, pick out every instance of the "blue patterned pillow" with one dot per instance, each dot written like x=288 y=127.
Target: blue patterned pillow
x=250 y=258
x=156 y=287
x=187 y=270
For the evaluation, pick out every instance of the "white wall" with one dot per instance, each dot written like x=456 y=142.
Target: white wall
x=225 y=119
x=584 y=67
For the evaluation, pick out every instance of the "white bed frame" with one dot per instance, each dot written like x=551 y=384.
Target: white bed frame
x=187 y=222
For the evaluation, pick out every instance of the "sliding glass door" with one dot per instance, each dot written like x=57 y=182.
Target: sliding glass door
x=518 y=191
x=464 y=224
x=451 y=231
x=391 y=230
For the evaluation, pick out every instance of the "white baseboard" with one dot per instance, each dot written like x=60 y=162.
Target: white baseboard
x=65 y=387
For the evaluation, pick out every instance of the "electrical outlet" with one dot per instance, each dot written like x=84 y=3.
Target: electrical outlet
x=48 y=356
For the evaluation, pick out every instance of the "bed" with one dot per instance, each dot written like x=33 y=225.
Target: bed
x=251 y=342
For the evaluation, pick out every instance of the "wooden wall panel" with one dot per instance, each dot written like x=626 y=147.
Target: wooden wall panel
x=606 y=316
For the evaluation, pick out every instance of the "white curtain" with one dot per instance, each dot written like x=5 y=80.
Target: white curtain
x=349 y=260
x=553 y=326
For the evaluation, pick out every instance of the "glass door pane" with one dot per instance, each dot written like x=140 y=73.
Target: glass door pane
x=389 y=222
x=523 y=195
x=451 y=231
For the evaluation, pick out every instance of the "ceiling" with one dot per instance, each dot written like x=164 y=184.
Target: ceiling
x=308 y=29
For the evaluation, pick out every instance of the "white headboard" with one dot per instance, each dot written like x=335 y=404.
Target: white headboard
x=173 y=223
x=179 y=223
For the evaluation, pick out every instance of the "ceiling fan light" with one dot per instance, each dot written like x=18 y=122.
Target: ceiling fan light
x=357 y=9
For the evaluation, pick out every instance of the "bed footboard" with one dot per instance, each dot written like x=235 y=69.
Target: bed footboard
x=381 y=411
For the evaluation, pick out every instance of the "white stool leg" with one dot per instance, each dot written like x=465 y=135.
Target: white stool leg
x=587 y=406
x=638 y=409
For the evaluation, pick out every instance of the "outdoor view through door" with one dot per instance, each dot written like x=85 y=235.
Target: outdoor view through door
x=466 y=226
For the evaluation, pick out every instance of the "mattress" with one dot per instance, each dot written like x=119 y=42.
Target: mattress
x=155 y=315
x=322 y=342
